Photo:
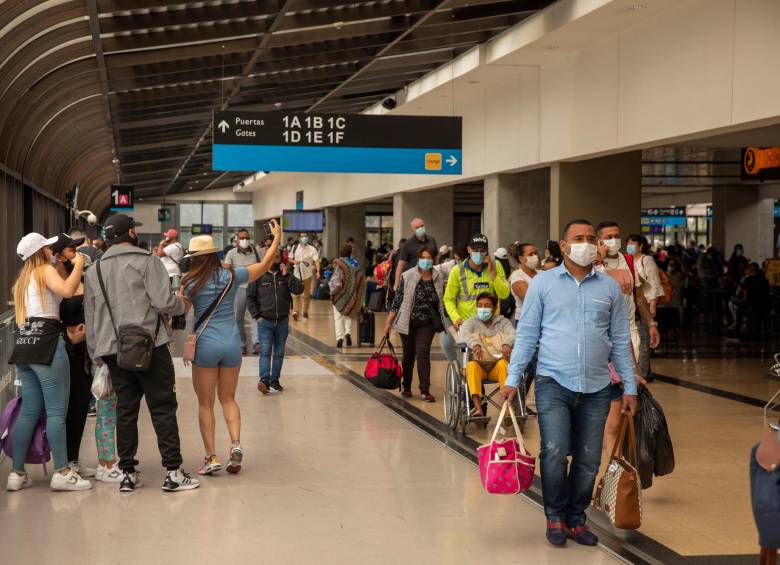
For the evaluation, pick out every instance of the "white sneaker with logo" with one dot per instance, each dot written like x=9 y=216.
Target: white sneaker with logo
x=109 y=474
x=82 y=471
x=69 y=481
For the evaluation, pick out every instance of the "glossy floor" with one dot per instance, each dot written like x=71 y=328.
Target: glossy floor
x=330 y=477
x=703 y=508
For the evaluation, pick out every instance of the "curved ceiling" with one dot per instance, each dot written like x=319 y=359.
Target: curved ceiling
x=103 y=91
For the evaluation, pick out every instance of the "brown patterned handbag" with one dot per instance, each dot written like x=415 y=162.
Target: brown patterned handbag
x=619 y=493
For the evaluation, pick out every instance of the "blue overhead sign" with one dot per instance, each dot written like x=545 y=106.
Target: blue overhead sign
x=337 y=143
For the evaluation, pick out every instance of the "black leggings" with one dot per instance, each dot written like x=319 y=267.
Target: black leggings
x=417 y=344
x=80 y=397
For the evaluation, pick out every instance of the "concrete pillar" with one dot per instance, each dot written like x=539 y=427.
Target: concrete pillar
x=435 y=207
x=517 y=208
x=605 y=188
x=741 y=215
x=341 y=223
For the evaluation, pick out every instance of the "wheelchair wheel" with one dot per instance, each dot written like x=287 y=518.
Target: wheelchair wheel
x=452 y=396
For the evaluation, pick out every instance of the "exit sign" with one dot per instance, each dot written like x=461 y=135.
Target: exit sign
x=121 y=198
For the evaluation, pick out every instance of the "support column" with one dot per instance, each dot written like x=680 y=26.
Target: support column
x=352 y=223
x=435 y=207
x=517 y=208
x=330 y=237
x=741 y=215
x=605 y=188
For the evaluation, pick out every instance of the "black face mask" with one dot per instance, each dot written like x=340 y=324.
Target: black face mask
x=275 y=266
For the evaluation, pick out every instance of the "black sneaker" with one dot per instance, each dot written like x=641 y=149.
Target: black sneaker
x=262 y=386
x=179 y=480
x=129 y=482
x=276 y=385
x=92 y=412
x=305 y=315
x=339 y=343
x=349 y=340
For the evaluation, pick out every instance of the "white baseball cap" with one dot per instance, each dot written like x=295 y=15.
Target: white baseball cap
x=30 y=244
x=501 y=253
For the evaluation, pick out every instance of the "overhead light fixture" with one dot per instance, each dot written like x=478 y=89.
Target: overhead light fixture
x=338 y=25
x=278 y=104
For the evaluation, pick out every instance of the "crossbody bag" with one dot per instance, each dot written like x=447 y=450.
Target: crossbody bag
x=134 y=343
x=191 y=344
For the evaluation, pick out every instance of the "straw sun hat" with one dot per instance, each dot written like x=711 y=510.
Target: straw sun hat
x=201 y=245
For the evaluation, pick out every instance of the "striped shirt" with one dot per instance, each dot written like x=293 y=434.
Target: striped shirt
x=236 y=258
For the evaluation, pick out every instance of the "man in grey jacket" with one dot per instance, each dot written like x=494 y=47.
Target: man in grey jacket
x=138 y=292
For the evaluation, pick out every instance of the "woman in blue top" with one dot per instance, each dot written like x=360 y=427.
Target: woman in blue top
x=218 y=353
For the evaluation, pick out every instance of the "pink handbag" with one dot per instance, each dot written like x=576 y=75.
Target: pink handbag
x=506 y=466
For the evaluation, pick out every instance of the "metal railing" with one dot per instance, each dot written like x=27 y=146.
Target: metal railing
x=8 y=389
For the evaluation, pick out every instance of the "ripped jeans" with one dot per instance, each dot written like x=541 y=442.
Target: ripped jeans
x=570 y=423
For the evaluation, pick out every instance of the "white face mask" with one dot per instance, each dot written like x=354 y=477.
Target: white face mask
x=582 y=254
x=613 y=245
x=532 y=261
x=243 y=243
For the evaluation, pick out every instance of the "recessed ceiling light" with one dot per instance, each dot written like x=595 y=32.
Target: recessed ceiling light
x=552 y=47
x=636 y=7
x=473 y=82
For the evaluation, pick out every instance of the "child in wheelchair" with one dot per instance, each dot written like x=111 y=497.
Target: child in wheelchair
x=490 y=337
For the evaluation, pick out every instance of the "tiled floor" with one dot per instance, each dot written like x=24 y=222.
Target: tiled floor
x=330 y=477
x=703 y=508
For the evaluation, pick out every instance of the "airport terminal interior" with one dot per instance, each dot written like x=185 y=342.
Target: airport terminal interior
x=375 y=132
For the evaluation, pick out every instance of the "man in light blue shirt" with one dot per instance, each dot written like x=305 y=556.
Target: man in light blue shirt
x=578 y=317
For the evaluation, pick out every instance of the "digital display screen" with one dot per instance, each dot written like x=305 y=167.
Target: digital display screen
x=303 y=221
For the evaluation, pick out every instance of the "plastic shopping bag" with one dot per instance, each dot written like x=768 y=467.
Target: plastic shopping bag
x=101 y=383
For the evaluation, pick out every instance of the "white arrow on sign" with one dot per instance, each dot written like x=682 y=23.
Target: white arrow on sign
x=223 y=125
x=452 y=161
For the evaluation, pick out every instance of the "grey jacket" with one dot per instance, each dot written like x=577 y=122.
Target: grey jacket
x=410 y=279
x=473 y=328
x=139 y=290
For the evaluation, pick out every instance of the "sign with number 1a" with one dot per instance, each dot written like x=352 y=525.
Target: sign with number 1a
x=121 y=198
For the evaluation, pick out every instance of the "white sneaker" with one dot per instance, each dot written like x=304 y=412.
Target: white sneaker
x=82 y=471
x=70 y=481
x=108 y=474
x=17 y=481
x=179 y=480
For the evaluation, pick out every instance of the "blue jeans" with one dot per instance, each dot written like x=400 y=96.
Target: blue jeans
x=44 y=387
x=569 y=423
x=273 y=336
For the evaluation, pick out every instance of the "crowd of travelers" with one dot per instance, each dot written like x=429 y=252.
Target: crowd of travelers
x=578 y=320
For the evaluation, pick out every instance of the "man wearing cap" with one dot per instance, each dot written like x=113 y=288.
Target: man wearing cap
x=474 y=276
x=170 y=252
x=407 y=257
x=130 y=287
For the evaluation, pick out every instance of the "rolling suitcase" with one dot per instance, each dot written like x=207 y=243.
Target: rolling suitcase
x=366 y=328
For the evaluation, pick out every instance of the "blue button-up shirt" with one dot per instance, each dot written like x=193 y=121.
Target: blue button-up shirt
x=579 y=326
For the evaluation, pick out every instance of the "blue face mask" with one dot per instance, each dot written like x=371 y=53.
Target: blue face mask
x=631 y=248
x=477 y=257
x=420 y=232
x=304 y=240
x=425 y=264
x=484 y=314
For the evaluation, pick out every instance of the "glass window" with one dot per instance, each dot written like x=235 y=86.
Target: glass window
x=691 y=224
x=214 y=214
x=387 y=222
x=189 y=214
x=239 y=215
x=372 y=222
x=702 y=224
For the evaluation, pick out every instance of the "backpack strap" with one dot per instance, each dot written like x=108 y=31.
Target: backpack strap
x=630 y=260
x=257 y=255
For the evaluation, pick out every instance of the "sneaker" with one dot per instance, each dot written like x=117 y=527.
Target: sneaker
x=179 y=480
x=236 y=456
x=210 y=466
x=295 y=316
x=243 y=350
x=17 y=481
x=256 y=349
x=582 y=535
x=556 y=533
x=406 y=393
x=92 y=412
x=69 y=481
x=276 y=385
x=339 y=343
x=109 y=474
x=305 y=315
x=262 y=386
x=129 y=482
x=349 y=340
x=83 y=471
x=428 y=397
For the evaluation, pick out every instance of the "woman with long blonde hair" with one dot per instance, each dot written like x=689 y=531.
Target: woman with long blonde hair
x=41 y=359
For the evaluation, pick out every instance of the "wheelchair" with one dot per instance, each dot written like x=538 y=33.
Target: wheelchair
x=458 y=403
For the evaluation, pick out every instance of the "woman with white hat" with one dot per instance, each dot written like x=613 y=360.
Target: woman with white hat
x=212 y=288
x=41 y=359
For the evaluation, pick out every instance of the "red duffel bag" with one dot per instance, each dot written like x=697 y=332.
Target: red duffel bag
x=383 y=369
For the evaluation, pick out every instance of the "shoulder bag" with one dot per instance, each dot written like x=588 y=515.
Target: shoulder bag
x=134 y=343
x=619 y=493
x=188 y=355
